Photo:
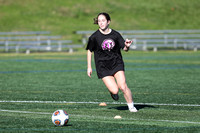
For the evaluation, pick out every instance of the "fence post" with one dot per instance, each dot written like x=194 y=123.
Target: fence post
x=84 y=40
x=59 y=46
x=6 y=46
x=185 y=46
x=17 y=48
x=195 y=48
x=48 y=45
x=71 y=50
x=165 y=42
x=175 y=43
x=144 y=48
x=38 y=38
x=155 y=49
x=27 y=51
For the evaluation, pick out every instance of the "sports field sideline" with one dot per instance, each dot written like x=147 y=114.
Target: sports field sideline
x=165 y=88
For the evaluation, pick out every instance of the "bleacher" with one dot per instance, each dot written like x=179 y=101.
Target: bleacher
x=34 y=41
x=157 y=39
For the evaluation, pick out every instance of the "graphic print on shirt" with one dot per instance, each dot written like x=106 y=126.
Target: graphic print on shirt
x=108 y=44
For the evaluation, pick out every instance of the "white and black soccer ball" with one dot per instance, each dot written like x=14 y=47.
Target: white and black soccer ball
x=60 y=118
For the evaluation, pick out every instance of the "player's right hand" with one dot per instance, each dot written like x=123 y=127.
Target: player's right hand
x=89 y=72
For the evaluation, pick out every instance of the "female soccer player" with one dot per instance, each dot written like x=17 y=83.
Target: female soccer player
x=106 y=44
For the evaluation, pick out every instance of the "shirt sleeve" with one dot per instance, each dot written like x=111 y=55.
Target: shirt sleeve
x=121 y=41
x=91 y=44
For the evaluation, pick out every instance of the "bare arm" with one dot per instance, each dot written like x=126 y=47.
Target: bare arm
x=89 y=66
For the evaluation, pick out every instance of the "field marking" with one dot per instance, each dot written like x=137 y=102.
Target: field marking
x=191 y=122
x=100 y=117
x=71 y=102
x=24 y=112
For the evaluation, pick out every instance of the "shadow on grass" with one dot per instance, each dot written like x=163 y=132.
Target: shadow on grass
x=68 y=125
x=138 y=106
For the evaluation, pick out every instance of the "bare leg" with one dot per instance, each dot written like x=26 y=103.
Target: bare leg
x=113 y=87
x=110 y=83
x=121 y=81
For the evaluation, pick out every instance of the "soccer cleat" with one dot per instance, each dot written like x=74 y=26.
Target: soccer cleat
x=115 y=96
x=133 y=109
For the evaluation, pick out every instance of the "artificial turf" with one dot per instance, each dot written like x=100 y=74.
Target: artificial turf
x=165 y=87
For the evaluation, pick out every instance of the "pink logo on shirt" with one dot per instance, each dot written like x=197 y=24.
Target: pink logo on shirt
x=108 y=44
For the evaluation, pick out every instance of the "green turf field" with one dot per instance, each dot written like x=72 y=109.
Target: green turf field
x=165 y=87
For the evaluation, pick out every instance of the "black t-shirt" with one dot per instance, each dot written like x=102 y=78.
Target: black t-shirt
x=107 y=54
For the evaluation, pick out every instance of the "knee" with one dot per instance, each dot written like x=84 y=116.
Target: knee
x=114 y=91
x=123 y=88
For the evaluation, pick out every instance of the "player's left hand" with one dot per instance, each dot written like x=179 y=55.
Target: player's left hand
x=128 y=43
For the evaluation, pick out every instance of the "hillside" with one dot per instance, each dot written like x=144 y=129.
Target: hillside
x=63 y=17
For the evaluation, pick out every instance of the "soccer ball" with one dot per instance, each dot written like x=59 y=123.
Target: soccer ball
x=60 y=118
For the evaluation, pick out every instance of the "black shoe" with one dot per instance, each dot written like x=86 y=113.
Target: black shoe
x=115 y=96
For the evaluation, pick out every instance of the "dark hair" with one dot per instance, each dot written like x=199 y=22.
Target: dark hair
x=102 y=13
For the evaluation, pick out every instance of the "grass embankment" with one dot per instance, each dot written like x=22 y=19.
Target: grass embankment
x=65 y=17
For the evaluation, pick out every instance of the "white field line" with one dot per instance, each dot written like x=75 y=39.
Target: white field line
x=24 y=112
x=170 y=121
x=161 y=104
x=99 y=117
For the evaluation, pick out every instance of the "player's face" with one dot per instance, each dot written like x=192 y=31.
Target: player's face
x=102 y=22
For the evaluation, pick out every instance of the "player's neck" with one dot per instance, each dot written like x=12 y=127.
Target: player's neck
x=105 y=31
